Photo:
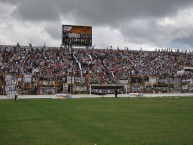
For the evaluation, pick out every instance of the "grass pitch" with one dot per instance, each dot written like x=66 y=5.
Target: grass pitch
x=101 y=121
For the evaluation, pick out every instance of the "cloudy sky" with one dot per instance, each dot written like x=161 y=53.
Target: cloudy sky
x=136 y=24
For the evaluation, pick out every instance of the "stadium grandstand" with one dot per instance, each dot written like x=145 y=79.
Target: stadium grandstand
x=45 y=70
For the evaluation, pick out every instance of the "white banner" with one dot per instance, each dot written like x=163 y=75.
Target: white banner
x=8 y=78
x=123 y=81
x=189 y=81
x=152 y=80
x=9 y=89
x=80 y=88
x=185 y=87
x=179 y=73
x=11 y=81
x=79 y=80
x=69 y=79
x=67 y=28
x=27 y=78
x=65 y=87
x=191 y=68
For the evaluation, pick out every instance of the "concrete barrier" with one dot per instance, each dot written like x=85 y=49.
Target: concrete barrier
x=99 y=96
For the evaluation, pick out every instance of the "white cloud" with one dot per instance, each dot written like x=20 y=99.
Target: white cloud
x=184 y=18
x=108 y=36
x=148 y=24
x=179 y=27
x=24 y=33
x=5 y=11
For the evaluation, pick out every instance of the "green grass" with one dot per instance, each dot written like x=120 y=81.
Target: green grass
x=102 y=121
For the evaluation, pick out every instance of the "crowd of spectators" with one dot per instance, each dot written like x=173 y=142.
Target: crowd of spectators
x=109 y=63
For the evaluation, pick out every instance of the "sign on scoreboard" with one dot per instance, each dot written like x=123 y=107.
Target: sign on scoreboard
x=76 y=35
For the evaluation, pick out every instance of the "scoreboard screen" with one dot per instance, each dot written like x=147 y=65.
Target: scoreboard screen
x=76 y=35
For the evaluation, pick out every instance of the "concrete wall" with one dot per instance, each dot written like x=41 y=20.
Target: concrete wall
x=99 y=96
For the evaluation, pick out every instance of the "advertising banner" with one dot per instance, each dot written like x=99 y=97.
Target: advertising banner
x=77 y=35
x=106 y=89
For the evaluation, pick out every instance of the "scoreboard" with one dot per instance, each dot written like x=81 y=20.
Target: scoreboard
x=76 y=35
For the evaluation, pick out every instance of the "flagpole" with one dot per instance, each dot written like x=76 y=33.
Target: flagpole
x=71 y=55
x=102 y=82
x=71 y=84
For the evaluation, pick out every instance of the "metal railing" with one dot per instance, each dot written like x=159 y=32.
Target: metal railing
x=36 y=85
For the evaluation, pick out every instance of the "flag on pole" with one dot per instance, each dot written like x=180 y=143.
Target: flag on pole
x=90 y=57
x=70 y=46
x=80 y=67
x=93 y=46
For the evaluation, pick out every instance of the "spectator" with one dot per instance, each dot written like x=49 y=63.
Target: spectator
x=114 y=64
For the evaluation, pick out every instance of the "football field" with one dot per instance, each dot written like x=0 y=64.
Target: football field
x=97 y=121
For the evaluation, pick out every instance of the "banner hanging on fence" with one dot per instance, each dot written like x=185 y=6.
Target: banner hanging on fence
x=11 y=81
x=65 y=87
x=79 y=80
x=99 y=90
x=69 y=79
x=123 y=81
x=27 y=78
